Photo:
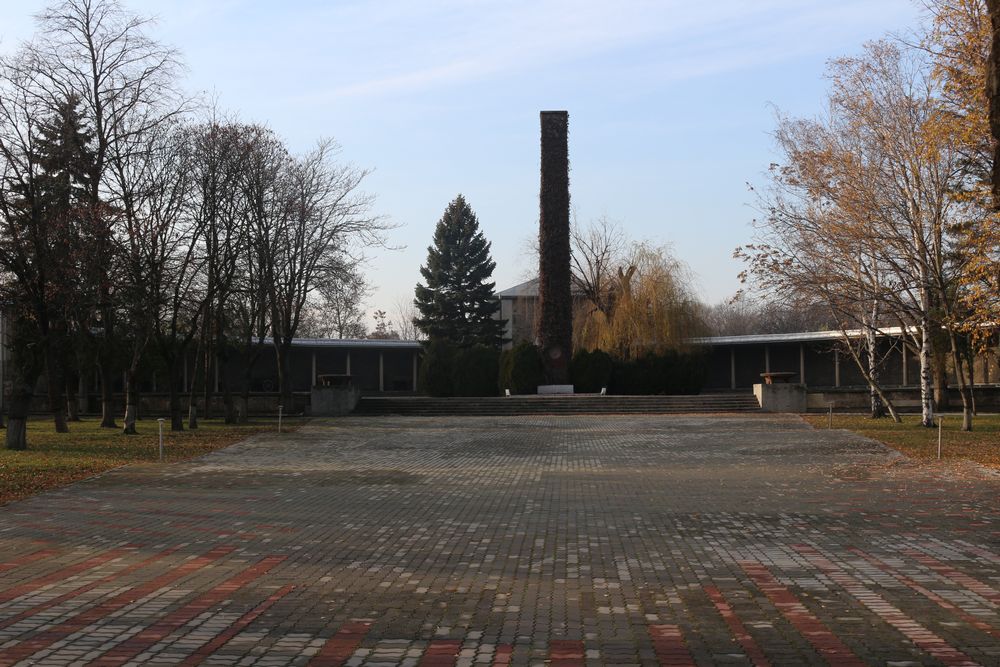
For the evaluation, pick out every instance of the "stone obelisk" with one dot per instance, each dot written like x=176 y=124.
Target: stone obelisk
x=555 y=301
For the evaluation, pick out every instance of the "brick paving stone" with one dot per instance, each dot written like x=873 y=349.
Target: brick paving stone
x=563 y=540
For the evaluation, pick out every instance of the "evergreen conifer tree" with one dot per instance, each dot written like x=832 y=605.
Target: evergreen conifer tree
x=457 y=304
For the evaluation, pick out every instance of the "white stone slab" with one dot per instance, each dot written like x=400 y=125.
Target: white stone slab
x=555 y=389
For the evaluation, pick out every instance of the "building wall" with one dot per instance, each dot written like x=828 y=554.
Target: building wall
x=397 y=368
x=825 y=366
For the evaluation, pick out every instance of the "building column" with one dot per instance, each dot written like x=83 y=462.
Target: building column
x=313 y=381
x=732 y=367
x=906 y=371
x=836 y=368
x=415 y=355
x=381 y=372
x=802 y=363
x=347 y=370
x=767 y=358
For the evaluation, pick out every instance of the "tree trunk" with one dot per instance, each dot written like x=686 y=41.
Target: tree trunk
x=252 y=354
x=56 y=382
x=107 y=396
x=940 y=369
x=874 y=395
x=926 y=384
x=131 y=402
x=873 y=383
x=993 y=93
x=284 y=376
x=209 y=381
x=228 y=409
x=192 y=401
x=24 y=371
x=72 y=381
x=175 y=380
x=245 y=404
x=221 y=359
x=17 y=420
x=963 y=387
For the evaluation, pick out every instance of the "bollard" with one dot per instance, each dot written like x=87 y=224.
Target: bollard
x=830 y=424
x=161 y=420
x=279 y=418
x=940 y=426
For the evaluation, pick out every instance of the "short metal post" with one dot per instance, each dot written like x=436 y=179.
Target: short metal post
x=161 y=420
x=830 y=425
x=279 y=418
x=940 y=425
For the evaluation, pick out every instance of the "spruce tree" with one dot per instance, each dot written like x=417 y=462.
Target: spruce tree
x=457 y=304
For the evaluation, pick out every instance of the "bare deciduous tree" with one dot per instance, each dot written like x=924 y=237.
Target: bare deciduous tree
x=598 y=251
x=96 y=50
x=319 y=219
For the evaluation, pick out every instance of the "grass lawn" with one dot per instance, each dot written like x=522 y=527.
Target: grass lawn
x=982 y=445
x=55 y=459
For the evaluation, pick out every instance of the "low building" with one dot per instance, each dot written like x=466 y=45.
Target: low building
x=519 y=307
x=374 y=366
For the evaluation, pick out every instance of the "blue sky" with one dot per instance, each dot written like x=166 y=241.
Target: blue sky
x=671 y=104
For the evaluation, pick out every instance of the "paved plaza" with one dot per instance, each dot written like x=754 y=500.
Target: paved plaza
x=513 y=541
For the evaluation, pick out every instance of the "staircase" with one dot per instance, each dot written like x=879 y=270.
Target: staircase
x=580 y=404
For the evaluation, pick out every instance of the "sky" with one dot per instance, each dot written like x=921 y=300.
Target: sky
x=671 y=105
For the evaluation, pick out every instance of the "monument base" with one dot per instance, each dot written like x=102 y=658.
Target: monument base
x=781 y=397
x=327 y=401
x=555 y=389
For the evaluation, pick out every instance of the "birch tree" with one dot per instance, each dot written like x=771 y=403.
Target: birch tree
x=861 y=213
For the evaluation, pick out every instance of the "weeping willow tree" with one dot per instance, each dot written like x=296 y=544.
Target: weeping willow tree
x=652 y=308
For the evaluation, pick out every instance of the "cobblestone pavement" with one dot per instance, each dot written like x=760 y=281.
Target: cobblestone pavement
x=513 y=541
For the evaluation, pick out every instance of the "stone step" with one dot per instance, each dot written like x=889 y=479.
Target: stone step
x=568 y=405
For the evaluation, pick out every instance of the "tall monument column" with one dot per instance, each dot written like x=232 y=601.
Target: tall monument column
x=555 y=301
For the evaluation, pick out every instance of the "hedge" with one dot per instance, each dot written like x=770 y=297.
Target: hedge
x=671 y=372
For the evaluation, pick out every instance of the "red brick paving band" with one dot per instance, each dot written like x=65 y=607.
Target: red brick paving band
x=811 y=628
x=53 y=602
x=339 y=648
x=441 y=653
x=175 y=620
x=27 y=559
x=12 y=655
x=736 y=627
x=929 y=594
x=926 y=640
x=981 y=589
x=206 y=650
x=502 y=656
x=60 y=574
x=566 y=653
x=669 y=646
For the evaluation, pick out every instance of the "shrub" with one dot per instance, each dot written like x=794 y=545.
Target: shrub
x=591 y=371
x=436 y=369
x=521 y=369
x=475 y=371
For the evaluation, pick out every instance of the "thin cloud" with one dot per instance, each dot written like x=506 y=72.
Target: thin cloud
x=448 y=44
